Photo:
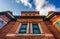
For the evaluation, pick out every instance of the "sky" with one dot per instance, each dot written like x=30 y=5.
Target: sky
x=43 y=6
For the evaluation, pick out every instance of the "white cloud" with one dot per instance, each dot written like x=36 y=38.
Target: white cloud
x=42 y=6
x=25 y=2
x=39 y=4
x=17 y=1
x=46 y=9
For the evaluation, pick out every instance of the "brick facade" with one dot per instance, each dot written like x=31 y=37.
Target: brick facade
x=9 y=31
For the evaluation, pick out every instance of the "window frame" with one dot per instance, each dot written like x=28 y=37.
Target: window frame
x=38 y=26
x=4 y=22
x=5 y=18
x=26 y=15
x=20 y=27
x=27 y=33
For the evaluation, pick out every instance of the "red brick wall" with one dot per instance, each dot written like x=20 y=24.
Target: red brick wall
x=29 y=13
x=45 y=29
x=4 y=17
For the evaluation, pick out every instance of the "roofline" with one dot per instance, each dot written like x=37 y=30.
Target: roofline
x=26 y=17
x=54 y=13
x=8 y=14
x=30 y=12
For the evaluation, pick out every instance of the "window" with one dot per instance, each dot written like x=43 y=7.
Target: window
x=25 y=14
x=4 y=18
x=58 y=23
x=33 y=14
x=35 y=29
x=23 y=29
x=1 y=23
x=29 y=28
x=29 y=14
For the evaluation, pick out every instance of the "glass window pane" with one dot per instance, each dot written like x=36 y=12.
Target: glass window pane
x=36 y=29
x=22 y=31
x=1 y=23
x=35 y=26
x=23 y=28
x=23 y=25
x=36 y=32
x=25 y=14
x=58 y=23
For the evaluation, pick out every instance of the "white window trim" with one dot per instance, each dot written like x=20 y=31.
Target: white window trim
x=38 y=26
x=31 y=28
x=3 y=22
x=27 y=28
x=4 y=18
x=20 y=26
x=49 y=35
x=11 y=15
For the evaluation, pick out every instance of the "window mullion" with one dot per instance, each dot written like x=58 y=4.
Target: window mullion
x=31 y=28
x=27 y=28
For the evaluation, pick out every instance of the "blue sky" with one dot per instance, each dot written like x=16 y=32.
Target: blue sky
x=55 y=2
x=16 y=8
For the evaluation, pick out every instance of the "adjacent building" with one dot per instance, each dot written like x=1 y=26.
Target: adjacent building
x=5 y=17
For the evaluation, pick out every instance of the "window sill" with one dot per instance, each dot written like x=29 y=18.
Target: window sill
x=12 y=35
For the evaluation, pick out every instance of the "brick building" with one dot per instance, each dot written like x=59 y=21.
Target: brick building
x=30 y=25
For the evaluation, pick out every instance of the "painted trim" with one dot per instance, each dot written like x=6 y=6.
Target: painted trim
x=5 y=18
x=40 y=28
x=20 y=27
x=49 y=15
x=31 y=28
x=27 y=28
x=11 y=15
x=4 y=23
x=56 y=21
x=49 y=35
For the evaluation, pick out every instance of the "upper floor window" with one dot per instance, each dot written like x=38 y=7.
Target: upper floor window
x=35 y=29
x=1 y=23
x=33 y=14
x=4 y=18
x=29 y=14
x=32 y=28
x=25 y=14
x=23 y=29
